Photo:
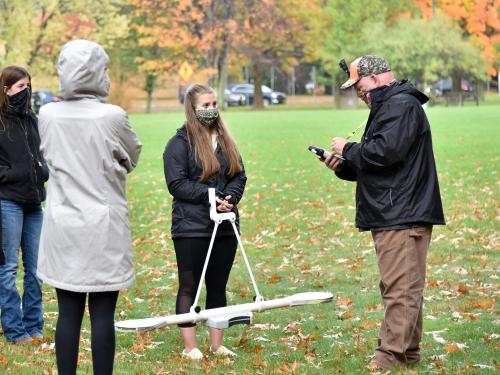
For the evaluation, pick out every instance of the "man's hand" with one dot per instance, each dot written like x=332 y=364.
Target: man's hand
x=338 y=145
x=334 y=163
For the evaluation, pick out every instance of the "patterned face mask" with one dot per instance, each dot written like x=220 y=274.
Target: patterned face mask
x=207 y=116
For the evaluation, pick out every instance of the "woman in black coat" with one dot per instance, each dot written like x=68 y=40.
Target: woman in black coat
x=202 y=155
x=23 y=172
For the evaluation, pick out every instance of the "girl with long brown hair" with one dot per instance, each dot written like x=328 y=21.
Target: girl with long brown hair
x=23 y=172
x=202 y=154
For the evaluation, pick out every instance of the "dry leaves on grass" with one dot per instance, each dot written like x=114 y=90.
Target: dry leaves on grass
x=454 y=347
x=259 y=363
x=141 y=344
x=482 y=304
x=3 y=361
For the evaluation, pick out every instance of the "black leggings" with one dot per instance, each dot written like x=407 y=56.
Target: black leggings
x=191 y=254
x=102 y=311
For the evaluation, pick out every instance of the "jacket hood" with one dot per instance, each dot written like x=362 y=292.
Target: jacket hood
x=182 y=132
x=407 y=88
x=82 y=70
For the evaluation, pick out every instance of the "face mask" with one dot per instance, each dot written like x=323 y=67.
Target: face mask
x=369 y=95
x=19 y=103
x=207 y=116
x=365 y=96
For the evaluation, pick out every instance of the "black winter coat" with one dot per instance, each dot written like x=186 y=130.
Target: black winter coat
x=393 y=165
x=23 y=170
x=190 y=207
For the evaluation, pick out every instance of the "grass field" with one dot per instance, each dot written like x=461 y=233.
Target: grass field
x=297 y=225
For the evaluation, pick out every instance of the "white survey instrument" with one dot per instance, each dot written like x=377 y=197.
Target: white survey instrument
x=224 y=317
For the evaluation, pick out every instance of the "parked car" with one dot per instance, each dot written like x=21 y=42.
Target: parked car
x=248 y=90
x=277 y=97
x=233 y=99
x=230 y=98
x=41 y=97
x=445 y=86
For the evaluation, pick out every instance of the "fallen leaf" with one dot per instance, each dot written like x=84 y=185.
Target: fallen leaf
x=452 y=348
x=260 y=363
x=370 y=324
x=463 y=289
x=344 y=315
x=274 y=279
x=3 y=361
x=432 y=283
x=484 y=304
x=257 y=348
x=345 y=301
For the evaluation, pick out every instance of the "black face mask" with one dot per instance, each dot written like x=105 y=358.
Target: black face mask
x=19 y=103
x=379 y=91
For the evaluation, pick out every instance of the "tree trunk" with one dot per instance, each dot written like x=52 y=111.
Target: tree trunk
x=5 y=13
x=456 y=89
x=44 y=21
x=336 y=92
x=258 y=101
x=223 y=11
x=222 y=78
x=150 y=86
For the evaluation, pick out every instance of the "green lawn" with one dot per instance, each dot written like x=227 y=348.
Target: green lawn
x=297 y=225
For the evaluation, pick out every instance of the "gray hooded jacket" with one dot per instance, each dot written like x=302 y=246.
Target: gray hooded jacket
x=89 y=146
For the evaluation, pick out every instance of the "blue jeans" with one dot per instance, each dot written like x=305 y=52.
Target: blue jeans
x=21 y=227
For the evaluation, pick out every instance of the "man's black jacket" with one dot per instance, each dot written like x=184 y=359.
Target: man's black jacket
x=190 y=207
x=23 y=170
x=394 y=165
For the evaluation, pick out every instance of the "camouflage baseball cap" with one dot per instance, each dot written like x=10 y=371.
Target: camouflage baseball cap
x=365 y=66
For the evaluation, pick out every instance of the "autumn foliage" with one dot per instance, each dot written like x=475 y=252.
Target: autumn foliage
x=478 y=19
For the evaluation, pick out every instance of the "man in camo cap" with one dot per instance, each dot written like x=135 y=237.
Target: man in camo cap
x=369 y=66
x=397 y=199
x=366 y=66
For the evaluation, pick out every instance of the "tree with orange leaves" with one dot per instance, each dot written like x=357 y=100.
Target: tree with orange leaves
x=168 y=33
x=33 y=31
x=478 y=20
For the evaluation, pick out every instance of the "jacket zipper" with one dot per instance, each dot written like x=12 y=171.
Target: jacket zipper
x=390 y=196
x=32 y=159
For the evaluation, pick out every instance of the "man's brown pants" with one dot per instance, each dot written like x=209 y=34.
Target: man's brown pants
x=401 y=258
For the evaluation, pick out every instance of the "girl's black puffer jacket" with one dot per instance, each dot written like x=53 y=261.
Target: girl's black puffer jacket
x=190 y=207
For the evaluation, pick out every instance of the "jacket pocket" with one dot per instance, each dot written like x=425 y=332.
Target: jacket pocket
x=4 y=174
x=18 y=174
x=419 y=232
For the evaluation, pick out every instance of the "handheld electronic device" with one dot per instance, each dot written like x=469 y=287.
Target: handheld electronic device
x=322 y=153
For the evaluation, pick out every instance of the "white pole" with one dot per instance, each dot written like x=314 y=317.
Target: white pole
x=313 y=76
x=272 y=77
x=258 y=296
x=195 y=303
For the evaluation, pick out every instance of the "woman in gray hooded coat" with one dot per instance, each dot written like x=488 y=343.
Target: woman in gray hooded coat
x=85 y=245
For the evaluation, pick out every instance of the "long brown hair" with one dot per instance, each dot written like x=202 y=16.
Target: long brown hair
x=10 y=75
x=200 y=139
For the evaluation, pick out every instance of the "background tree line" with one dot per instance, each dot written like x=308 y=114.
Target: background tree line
x=424 y=40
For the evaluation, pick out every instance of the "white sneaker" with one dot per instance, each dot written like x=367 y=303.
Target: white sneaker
x=194 y=354
x=223 y=351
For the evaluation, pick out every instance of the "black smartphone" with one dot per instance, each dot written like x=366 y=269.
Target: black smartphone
x=322 y=153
